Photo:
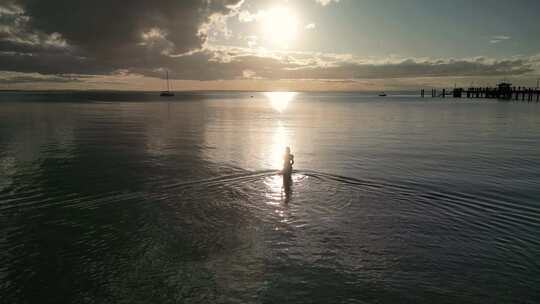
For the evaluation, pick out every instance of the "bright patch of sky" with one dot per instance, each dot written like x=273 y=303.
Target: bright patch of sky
x=413 y=28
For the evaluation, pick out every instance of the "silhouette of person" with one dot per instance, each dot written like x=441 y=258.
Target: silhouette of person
x=288 y=162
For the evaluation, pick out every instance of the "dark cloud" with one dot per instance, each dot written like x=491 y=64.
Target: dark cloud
x=204 y=66
x=109 y=33
x=412 y=68
x=110 y=29
x=37 y=79
x=50 y=63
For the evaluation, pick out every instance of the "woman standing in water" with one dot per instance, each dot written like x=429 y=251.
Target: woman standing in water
x=288 y=162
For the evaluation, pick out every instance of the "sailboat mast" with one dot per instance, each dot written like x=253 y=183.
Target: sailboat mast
x=168 y=90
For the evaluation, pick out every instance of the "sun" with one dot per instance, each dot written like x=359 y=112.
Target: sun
x=280 y=26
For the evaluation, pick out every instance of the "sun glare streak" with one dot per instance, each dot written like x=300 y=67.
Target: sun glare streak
x=280 y=100
x=279 y=142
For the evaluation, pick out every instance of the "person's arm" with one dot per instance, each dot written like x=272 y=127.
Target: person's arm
x=292 y=159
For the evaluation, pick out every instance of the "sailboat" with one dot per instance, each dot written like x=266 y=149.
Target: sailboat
x=167 y=93
x=382 y=94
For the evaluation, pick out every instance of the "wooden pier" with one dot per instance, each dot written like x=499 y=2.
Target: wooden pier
x=504 y=91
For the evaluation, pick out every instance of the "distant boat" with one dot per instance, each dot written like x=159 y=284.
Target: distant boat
x=167 y=93
x=383 y=94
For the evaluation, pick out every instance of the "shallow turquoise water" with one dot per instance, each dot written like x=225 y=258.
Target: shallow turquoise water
x=129 y=198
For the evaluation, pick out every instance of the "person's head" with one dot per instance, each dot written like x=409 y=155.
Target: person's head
x=288 y=150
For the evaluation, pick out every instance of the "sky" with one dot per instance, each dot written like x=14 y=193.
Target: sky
x=267 y=45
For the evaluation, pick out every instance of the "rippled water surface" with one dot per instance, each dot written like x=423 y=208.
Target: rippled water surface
x=128 y=198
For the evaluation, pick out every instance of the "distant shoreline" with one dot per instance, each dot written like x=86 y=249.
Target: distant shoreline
x=197 y=91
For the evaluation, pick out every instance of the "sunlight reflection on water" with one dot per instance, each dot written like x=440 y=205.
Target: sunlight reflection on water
x=280 y=100
x=274 y=186
x=280 y=139
x=279 y=142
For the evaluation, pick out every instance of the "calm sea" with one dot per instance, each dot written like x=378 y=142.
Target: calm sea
x=132 y=198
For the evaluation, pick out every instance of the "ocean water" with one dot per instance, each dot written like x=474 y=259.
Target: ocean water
x=109 y=197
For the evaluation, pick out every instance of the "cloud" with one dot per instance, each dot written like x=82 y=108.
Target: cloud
x=16 y=34
x=57 y=36
x=249 y=74
x=226 y=63
x=410 y=68
x=94 y=25
x=497 y=39
x=310 y=26
x=326 y=2
x=16 y=78
x=246 y=16
x=251 y=40
x=229 y=62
